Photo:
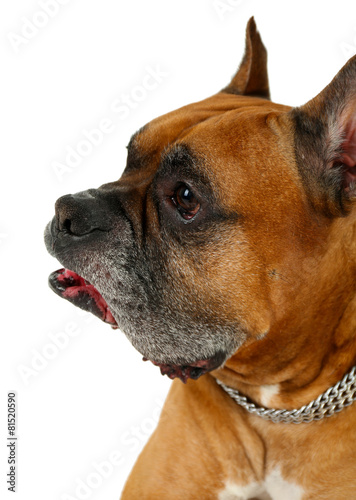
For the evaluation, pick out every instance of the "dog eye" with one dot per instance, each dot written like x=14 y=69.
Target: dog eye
x=186 y=202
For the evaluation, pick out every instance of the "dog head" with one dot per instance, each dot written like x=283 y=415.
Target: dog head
x=220 y=219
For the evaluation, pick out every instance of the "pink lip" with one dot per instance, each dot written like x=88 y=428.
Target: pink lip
x=70 y=286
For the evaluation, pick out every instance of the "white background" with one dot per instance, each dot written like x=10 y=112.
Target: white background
x=95 y=396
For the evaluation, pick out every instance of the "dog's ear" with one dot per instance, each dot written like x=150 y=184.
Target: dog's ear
x=325 y=143
x=251 y=77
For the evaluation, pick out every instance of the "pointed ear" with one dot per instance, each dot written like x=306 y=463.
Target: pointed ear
x=325 y=143
x=251 y=77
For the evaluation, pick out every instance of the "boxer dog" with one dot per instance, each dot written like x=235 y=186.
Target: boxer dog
x=226 y=253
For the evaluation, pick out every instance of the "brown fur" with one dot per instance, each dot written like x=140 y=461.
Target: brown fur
x=286 y=270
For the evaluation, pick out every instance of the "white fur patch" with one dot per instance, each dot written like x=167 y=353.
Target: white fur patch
x=280 y=489
x=267 y=392
x=273 y=488
x=235 y=492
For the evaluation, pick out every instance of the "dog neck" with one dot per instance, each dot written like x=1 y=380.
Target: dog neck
x=313 y=345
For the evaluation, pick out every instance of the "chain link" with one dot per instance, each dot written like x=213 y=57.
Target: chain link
x=332 y=401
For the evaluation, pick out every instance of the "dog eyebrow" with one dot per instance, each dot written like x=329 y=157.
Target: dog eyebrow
x=180 y=158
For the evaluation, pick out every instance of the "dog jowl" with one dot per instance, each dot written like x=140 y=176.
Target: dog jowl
x=216 y=236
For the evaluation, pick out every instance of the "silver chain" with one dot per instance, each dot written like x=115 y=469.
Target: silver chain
x=332 y=401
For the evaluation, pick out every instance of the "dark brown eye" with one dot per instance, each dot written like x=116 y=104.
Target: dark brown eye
x=186 y=202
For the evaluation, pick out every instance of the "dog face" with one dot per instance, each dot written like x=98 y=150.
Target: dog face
x=201 y=245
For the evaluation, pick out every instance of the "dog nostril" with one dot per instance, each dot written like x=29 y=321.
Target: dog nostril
x=81 y=214
x=66 y=226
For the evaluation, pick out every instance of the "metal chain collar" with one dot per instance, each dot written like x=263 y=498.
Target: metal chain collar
x=332 y=401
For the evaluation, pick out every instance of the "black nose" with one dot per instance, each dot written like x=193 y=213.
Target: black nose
x=81 y=213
